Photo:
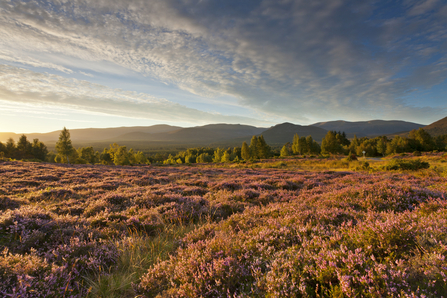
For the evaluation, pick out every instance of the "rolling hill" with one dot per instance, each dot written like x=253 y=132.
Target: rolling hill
x=157 y=135
x=91 y=134
x=437 y=128
x=283 y=133
x=369 y=128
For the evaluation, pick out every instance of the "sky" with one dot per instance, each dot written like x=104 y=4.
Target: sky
x=111 y=63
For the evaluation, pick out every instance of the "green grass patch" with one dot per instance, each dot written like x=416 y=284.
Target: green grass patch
x=138 y=253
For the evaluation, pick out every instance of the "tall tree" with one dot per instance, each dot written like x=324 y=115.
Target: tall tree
x=263 y=150
x=10 y=148
x=245 y=151
x=302 y=146
x=285 y=150
x=24 y=148
x=295 y=144
x=330 y=144
x=64 y=146
x=254 y=147
x=39 y=150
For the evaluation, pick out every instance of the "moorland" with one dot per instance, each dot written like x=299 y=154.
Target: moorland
x=285 y=227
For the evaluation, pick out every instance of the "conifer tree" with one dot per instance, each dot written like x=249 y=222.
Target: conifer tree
x=24 y=148
x=263 y=150
x=330 y=144
x=302 y=145
x=245 y=151
x=285 y=150
x=254 y=147
x=64 y=146
x=39 y=150
x=10 y=148
x=295 y=146
x=218 y=155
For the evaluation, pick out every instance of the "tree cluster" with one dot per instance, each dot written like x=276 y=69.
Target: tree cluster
x=117 y=155
x=24 y=149
x=258 y=149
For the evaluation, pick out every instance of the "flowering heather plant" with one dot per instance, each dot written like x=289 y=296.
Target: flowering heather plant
x=263 y=232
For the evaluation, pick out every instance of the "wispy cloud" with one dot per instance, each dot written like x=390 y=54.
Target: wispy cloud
x=298 y=60
x=20 y=85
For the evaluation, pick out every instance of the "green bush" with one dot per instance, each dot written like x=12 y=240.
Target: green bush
x=409 y=165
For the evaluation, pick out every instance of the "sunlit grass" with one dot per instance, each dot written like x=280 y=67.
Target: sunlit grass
x=138 y=253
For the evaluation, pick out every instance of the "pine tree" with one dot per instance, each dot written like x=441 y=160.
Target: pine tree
x=10 y=148
x=254 y=147
x=285 y=150
x=263 y=150
x=245 y=151
x=24 y=148
x=64 y=146
x=302 y=145
x=330 y=144
x=218 y=155
x=309 y=144
x=295 y=145
x=39 y=150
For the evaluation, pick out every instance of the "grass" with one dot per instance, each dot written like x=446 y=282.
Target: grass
x=138 y=253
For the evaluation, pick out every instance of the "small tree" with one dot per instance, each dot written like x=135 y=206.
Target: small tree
x=64 y=146
x=121 y=157
x=285 y=150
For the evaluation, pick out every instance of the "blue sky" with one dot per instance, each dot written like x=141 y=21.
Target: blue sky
x=109 y=63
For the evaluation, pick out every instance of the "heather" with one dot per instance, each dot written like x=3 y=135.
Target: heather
x=272 y=229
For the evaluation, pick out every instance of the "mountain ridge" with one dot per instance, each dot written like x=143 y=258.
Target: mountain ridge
x=369 y=128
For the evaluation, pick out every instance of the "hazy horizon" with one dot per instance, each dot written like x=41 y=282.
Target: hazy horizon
x=99 y=64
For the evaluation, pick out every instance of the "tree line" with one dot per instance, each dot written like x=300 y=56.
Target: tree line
x=337 y=143
x=333 y=143
x=66 y=153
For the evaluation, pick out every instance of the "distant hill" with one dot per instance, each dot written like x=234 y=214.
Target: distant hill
x=437 y=128
x=91 y=134
x=369 y=128
x=204 y=135
x=283 y=133
x=158 y=135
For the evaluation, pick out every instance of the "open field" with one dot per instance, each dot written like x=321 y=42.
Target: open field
x=304 y=227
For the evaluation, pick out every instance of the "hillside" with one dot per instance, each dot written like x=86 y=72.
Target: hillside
x=437 y=128
x=150 y=136
x=283 y=133
x=92 y=134
x=203 y=135
x=369 y=128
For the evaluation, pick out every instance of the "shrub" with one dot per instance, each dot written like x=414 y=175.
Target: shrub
x=408 y=165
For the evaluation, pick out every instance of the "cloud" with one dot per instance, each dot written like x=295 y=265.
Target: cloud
x=300 y=60
x=18 y=85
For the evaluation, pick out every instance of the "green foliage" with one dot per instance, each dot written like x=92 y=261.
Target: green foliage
x=226 y=157
x=245 y=151
x=405 y=164
x=285 y=150
x=204 y=157
x=87 y=155
x=422 y=140
x=330 y=145
x=254 y=147
x=121 y=156
x=218 y=154
x=263 y=150
x=64 y=146
x=295 y=144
